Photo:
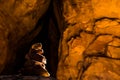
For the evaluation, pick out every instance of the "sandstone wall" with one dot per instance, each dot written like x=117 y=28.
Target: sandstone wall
x=90 y=45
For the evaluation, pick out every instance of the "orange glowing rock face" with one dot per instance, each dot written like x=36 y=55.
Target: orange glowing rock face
x=106 y=8
x=90 y=43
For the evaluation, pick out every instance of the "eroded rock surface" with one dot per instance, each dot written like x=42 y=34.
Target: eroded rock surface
x=90 y=36
x=102 y=69
x=92 y=30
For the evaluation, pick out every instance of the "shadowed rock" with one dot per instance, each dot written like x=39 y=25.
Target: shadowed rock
x=18 y=19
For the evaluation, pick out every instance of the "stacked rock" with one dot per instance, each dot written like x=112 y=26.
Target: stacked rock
x=35 y=62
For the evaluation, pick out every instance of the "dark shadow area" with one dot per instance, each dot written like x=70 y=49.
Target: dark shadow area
x=19 y=77
x=49 y=37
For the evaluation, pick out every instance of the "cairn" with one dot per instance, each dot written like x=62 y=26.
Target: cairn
x=35 y=62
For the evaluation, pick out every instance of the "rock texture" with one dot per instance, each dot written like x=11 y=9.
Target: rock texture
x=102 y=69
x=18 y=19
x=90 y=45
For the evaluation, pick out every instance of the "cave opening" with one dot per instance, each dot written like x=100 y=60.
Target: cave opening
x=50 y=29
x=49 y=37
